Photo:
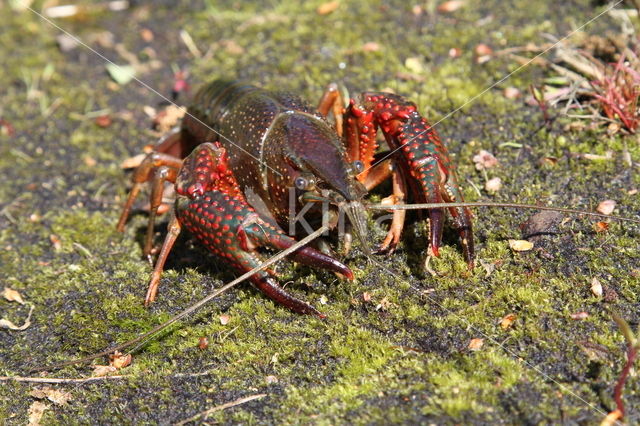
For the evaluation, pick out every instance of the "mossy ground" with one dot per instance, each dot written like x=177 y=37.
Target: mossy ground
x=408 y=362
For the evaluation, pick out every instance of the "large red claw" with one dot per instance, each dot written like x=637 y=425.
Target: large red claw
x=266 y=235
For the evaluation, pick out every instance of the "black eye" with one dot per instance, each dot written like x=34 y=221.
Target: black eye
x=358 y=166
x=301 y=183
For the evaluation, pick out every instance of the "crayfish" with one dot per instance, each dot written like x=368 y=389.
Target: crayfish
x=239 y=143
x=245 y=161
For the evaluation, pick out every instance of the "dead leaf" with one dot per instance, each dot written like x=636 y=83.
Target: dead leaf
x=507 y=321
x=133 y=162
x=327 y=8
x=579 y=315
x=203 y=343
x=224 y=319
x=511 y=93
x=168 y=118
x=271 y=380
x=55 y=240
x=35 y=413
x=103 y=120
x=489 y=267
x=371 y=46
x=596 y=287
x=493 y=185
x=606 y=207
x=146 y=34
x=483 y=50
x=103 y=370
x=612 y=418
x=543 y=222
x=485 y=160
x=520 y=245
x=476 y=344
x=384 y=304
x=119 y=360
x=12 y=295
x=455 y=52
x=58 y=397
x=450 y=6
x=5 y=323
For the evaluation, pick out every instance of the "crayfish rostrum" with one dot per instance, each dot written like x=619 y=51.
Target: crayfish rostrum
x=241 y=152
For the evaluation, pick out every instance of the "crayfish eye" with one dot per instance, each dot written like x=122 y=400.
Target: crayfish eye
x=304 y=183
x=301 y=183
x=358 y=166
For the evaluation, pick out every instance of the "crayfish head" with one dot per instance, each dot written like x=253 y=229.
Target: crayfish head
x=319 y=170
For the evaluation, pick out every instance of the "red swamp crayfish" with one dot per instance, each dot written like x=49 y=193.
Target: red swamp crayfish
x=246 y=161
x=243 y=143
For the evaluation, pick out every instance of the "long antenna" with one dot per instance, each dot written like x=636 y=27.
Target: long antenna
x=193 y=307
x=508 y=205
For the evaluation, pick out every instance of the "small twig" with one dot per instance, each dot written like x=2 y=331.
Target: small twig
x=221 y=407
x=57 y=380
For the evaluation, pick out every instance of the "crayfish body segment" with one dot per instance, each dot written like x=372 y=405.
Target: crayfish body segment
x=241 y=143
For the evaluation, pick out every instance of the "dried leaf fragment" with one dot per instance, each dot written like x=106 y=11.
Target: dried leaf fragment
x=493 y=185
x=606 y=207
x=224 y=319
x=58 y=397
x=520 y=245
x=485 y=160
x=328 y=7
x=203 y=343
x=371 y=46
x=450 y=6
x=483 y=50
x=611 y=418
x=36 y=411
x=12 y=295
x=384 y=304
x=103 y=370
x=121 y=74
x=476 y=344
x=5 y=323
x=455 y=52
x=132 y=162
x=168 y=118
x=600 y=226
x=103 y=120
x=271 y=379
x=511 y=93
x=596 y=287
x=579 y=315
x=507 y=321
x=119 y=360
x=55 y=240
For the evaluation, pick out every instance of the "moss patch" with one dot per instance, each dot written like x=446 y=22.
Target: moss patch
x=402 y=356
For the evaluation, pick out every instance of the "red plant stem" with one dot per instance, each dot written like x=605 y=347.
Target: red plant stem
x=632 y=353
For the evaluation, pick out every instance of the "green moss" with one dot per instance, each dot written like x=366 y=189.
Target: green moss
x=398 y=356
